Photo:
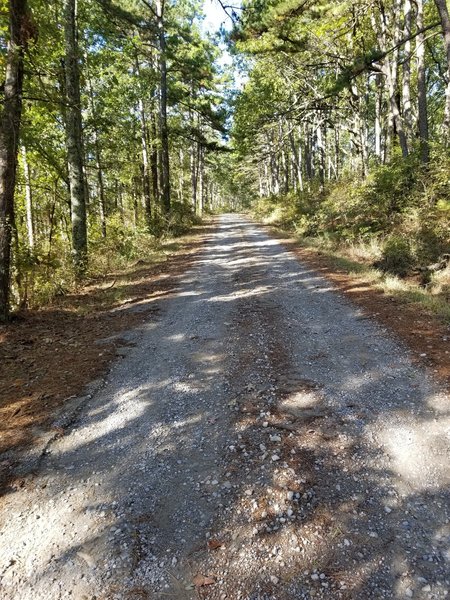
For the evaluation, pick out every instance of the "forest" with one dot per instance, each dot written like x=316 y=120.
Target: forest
x=113 y=115
x=224 y=299
x=120 y=125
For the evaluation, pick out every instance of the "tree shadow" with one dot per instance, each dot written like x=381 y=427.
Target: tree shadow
x=49 y=355
x=178 y=445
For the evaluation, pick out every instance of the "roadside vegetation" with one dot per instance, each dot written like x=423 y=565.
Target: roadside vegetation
x=404 y=253
x=112 y=119
x=341 y=133
x=120 y=128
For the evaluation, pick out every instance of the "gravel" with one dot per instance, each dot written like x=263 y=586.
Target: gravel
x=262 y=439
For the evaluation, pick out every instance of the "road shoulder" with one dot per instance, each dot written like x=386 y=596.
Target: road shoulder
x=54 y=358
x=427 y=336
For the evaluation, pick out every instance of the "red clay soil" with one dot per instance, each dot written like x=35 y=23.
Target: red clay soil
x=424 y=333
x=49 y=355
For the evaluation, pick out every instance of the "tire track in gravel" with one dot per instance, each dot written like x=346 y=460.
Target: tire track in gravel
x=340 y=457
x=262 y=412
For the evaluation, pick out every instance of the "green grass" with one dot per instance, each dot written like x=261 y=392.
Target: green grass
x=405 y=290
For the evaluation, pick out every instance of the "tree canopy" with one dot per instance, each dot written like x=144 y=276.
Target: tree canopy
x=121 y=123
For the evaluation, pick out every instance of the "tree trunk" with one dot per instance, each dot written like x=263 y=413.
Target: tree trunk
x=181 y=175
x=193 y=164
x=337 y=151
x=145 y=165
x=201 y=183
x=395 y=111
x=390 y=68
x=321 y=155
x=154 y=158
x=406 y=83
x=74 y=139
x=378 y=108
x=9 y=137
x=28 y=199
x=164 y=132
x=145 y=152
x=422 y=88
x=267 y=179
x=297 y=162
x=134 y=197
x=101 y=184
x=359 y=131
x=309 y=163
x=98 y=157
x=445 y=20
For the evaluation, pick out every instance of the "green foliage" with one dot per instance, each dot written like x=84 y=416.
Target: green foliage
x=42 y=274
x=121 y=83
x=179 y=221
x=433 y=234
x=123 y=245
x=392 y=204
x=397 y=257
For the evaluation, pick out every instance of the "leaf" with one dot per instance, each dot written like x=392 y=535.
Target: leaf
x=202 y=580
x=214 y=544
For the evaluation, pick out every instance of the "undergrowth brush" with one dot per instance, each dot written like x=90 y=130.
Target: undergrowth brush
x=392 y=226
x=46 y=272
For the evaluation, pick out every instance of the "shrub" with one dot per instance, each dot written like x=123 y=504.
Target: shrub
x=397 y=256
x=433 y=234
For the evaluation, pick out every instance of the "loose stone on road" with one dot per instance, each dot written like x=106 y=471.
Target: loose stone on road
x=261 y=439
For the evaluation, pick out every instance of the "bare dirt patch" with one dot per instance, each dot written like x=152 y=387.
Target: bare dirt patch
x=48 y=356
x=424 y=333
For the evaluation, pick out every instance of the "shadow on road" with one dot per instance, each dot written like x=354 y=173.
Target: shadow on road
x=204 y=429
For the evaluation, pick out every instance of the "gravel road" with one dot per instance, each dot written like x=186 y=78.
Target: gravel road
x=261 y=439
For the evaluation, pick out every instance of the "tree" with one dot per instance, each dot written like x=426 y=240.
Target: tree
x=20 y=30
x=422 y=103
x=74 y=138
x=442 y=7
x=165 y=160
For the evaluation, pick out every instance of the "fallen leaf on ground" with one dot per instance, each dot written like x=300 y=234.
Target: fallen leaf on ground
x=201 y=580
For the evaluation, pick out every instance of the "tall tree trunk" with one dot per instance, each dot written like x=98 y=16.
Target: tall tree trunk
x=445 y=20
x=267 y=179
x=406 y=83
x=74 y=139
x=145 y=165
x=321 y=154
x=297 y=161
x=154 y=158
x=28 y=199
x=164 y=131
x=134 y=197
x=261 y=183
x=337 y=150
x=193 y=164
x=201 y=182
x=359 y=131
x=390 y=68
x=98 y=157
x=308 y=153
x=101 y=184
x=422 y=88
x=9 y=138
x=378 y=109
x=181 y=175
x=146 y=170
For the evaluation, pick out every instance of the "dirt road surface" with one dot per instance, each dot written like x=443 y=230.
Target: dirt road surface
x=260 y=438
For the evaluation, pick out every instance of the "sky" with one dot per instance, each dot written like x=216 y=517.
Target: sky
x=215 y=15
